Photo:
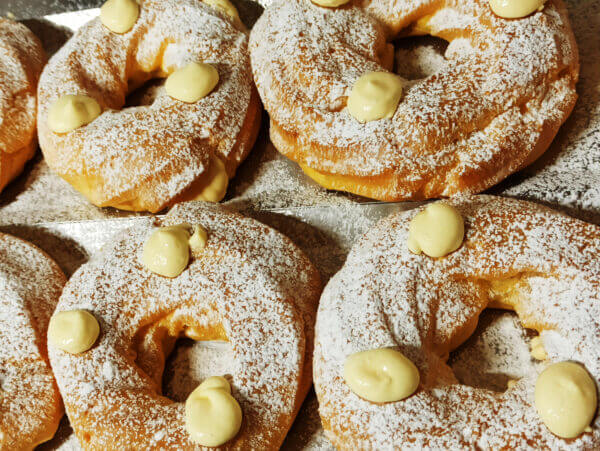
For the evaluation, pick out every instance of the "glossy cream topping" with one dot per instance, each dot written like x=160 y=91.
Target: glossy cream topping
x=212 y=415
x=375 y=96
x=119 y=16
x=73 y=331
x=70 y=112
x=211 y=383
x=566 y=399
x=538 y=351
x=436 y=231
x=381 y=375
x=198 y=239
x=515 y=9
x=384 y=295
x=192 y=82
x=167 y=251
x=225 y=6
x=217 y=181
x=330 y=3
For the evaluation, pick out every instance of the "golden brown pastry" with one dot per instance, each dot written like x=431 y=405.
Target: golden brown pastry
x=30 y=404
x=163 y=150
x=507 y=86
x=516 y=255
x=21 y=61
x=246 y=284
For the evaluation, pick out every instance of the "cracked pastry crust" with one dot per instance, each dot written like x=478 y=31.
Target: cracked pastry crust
x=150 y=156
x=506 y=89
x=516 y=255
x=22 y=59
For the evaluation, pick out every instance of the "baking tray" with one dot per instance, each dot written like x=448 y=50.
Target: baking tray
x=43 y=209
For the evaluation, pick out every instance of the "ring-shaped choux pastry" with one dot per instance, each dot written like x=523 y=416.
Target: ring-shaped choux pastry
x=30 y=285
x=161 y=151
x=22 y=59
x=493 y=108
x=515 y=255
x=248 y=285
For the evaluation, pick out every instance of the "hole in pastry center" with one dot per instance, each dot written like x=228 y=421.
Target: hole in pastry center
x=191 y=362
x=181 y=350
x=496 y=353
x=145 y=94
x=418 y=57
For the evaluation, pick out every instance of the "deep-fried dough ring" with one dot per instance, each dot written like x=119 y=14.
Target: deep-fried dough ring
x=21 y=61
x=250 y=286
x=150 y=156
x=30 y=285
x=516 y=255
x=495 y=107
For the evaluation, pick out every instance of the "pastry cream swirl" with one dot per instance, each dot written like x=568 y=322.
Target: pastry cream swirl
x=73 y=331
x=381 y=375
x=566 y=399
x=70 y=112
x=212 y=415
x=192 y=82
x=436 y=231
x=375 y=96
x=516 y=9
x=119 y=16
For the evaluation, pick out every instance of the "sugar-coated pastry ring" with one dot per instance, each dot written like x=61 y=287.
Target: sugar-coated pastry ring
x=30 y=285
x=494 y=108
x=516 y=255
x=153 y=155
x=249 y=285
x=22 y=59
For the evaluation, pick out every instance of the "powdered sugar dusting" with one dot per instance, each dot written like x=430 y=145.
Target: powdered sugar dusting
x=460 y=130
x=151 y=153
x=249 y=278
x=21 y=62
x=386 y=296
x=30 y=284
x=569 y=174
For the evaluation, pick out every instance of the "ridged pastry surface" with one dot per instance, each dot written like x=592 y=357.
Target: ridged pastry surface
x=146 y=157
x=494 y=108
x=539 y=262
x=30 y=285
x=250 y=286
x=21 y=61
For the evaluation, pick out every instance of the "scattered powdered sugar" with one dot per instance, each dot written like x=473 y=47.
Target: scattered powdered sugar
x=569 y=173
x=21 y=62
x=249 y=278
x=30 y=284
x=268 y=180
x=151 y=153
x=386 y=296
x=497 y=352
x=419 y=58
x=462 y=129
x=191 y=363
